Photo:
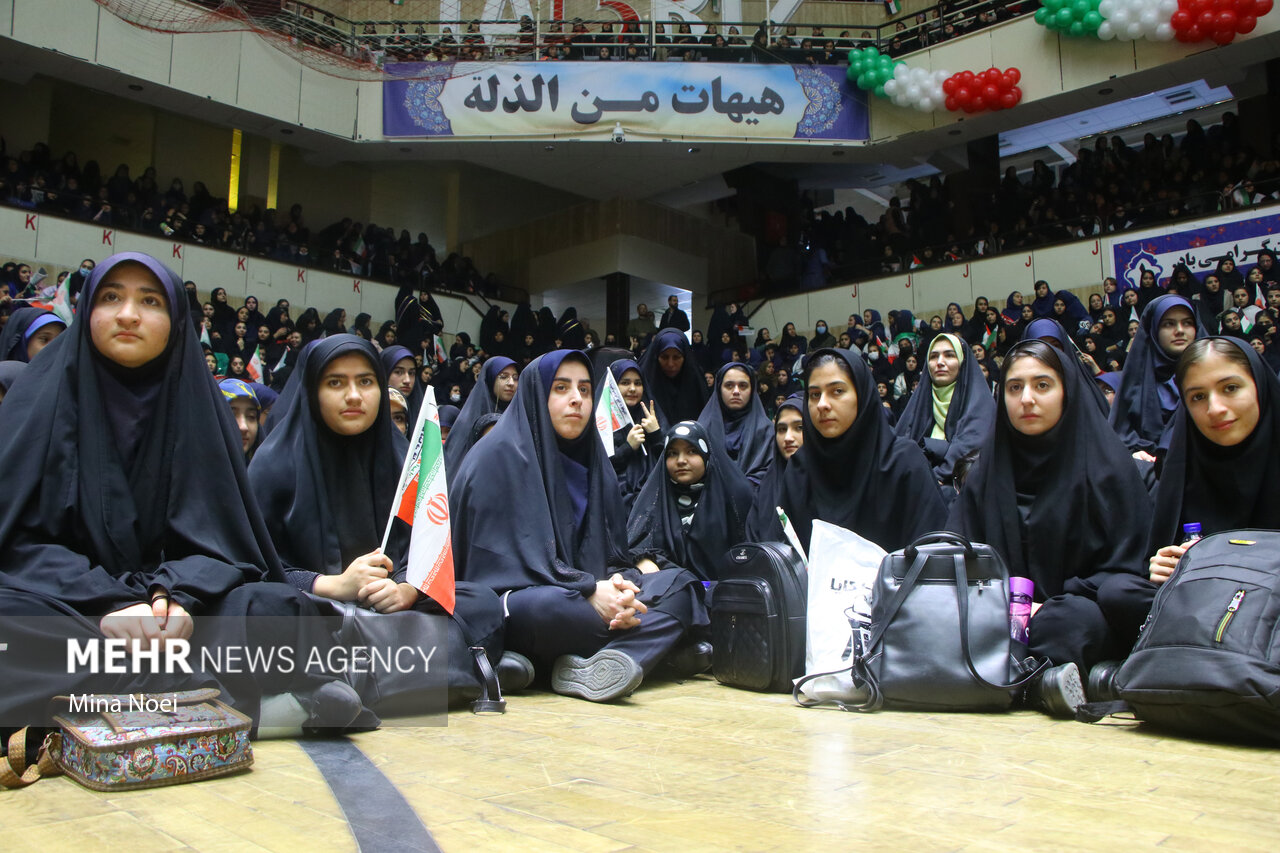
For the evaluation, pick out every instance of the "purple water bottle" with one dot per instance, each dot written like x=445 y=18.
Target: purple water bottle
x=1021 y=592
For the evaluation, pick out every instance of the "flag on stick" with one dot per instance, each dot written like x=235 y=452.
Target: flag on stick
x=422 y=502
x=612 y=413
x=254 y=367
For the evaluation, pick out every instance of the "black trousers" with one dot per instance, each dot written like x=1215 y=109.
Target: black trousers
x=546 y=622
x=1094 y=619
x=34 y=666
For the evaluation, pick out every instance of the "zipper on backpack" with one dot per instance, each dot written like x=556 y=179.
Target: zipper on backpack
x=1236 y=601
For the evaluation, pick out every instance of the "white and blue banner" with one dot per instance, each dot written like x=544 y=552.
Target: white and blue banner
x=1199 y=247
x=702 y=100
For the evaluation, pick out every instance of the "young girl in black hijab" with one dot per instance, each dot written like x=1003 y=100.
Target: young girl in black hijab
x=693 y=508
x=538 y=518
x=326 y=479
x=736 y=419
x=402 y=374
x=1059 y=498
x=952 y=412
x=1148 y=396
x=788 y=437
x=852 y=470
x=499 y=378
x=673 y=378
x=129 y=514
x=637 y=448
x=27 y=332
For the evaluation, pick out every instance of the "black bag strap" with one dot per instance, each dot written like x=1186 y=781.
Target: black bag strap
x=805 y=701
x=490 y=701
x=938 y=537
x=1095 y=711
x=962 y=604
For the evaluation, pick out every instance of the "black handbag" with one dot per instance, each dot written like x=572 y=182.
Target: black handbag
x=758 y=610
x=940 y=638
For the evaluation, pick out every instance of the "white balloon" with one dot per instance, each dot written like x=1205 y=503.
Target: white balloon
x=1105 y=31
x=1149 y=20
x=890 y=87
x=1119 y=18
x=1164 y=32
x=1166 y=8
x=1107 y=7
x=925 y=105
x=913 y=93
x=1133 y=30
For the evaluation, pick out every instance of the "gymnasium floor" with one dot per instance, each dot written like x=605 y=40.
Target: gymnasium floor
x=691 y=767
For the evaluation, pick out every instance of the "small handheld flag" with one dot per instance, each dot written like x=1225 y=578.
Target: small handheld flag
x=254 y=367
x=422 y=501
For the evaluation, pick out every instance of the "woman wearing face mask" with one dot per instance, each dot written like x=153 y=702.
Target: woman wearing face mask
x=853 y=471
x=672 y=378
x=954 y=416
x=538 y=518
x=1045 y=477
x=735 y=418
x=1144 y=406
x=821 y=337
x=693 y=507
x=788 y=437
x=499 y=378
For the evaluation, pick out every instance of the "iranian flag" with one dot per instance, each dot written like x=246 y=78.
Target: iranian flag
x=422 y=502
x=254 y=367
x=612 y=413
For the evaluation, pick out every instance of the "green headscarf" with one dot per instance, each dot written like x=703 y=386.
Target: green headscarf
x=942 y=396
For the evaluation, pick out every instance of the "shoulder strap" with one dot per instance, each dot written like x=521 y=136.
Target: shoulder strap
x=962 y=604
x=490 y=701
x=1095 y=711
x=14 y=772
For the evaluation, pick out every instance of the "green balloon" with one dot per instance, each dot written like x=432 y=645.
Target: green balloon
x=1042 y=18
x=880 y=92
x=1076 y=29
x=1064 y=18
x=1080 y=8
x=1092 y=20
x=1053 y=5
x=865 y=83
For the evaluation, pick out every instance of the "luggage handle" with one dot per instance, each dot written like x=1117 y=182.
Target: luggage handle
x=962 y=604
x=936 y=537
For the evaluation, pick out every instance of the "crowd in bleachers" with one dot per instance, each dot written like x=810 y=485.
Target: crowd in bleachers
x=1109 y=187
x=61 y=186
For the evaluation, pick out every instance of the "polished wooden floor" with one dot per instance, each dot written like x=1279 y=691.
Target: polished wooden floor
x=700 y=767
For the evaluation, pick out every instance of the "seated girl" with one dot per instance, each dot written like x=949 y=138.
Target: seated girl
x=672 y=378
x=637 y=448
x=494 y=389
x=736 y=419
x=1056 y=494
x=246 y=411
x=788 y=437
x=538 y=518
x=1144 y=405
x=129 y=515
x=326 y=480
x=852 y=470
x=952 y=412
x=28 y=331
x=693 y=508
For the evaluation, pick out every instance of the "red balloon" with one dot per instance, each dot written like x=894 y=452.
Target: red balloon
x=1008 y=100
x=1181 y=19
x=1261 y=7
x=1017 y=96
x=1243 y=7
x=1246 y=23
x=1198 y=6
x=1223 y=36
x=952 y=103
x=1006 y=82
x=1226 y=21
x=990 y=94
x=949 y=86
x=1017 y=75
x=1207 y=20
x=1194 y=34
x=966 y=77
x=964 y=95
x=978 y=104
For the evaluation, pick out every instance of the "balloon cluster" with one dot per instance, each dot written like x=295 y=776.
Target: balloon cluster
x=992 y=89
x=916 y=88
x=1135 y=19
x=1220 y=20
x=1074 y=17
x=869 y=70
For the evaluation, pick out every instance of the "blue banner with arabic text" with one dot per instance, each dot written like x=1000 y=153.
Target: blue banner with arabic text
x=703 y=100
x=1200 y=248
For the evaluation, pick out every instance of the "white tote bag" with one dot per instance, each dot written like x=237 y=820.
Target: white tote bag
x=842 y=575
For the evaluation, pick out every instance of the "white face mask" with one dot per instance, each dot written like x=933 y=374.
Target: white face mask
x=453 y=398
x=873 y=356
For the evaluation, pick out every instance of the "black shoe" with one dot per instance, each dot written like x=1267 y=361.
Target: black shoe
x=331 y=708
x=687 y=661
x=515 y=672
x=607 y=675
x=1058 y=691
x=1102 y=681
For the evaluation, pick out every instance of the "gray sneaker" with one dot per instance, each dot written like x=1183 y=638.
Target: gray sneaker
x=607 y=675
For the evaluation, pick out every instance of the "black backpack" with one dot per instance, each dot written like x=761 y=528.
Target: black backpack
x=1207 y=662
x=758 y=612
